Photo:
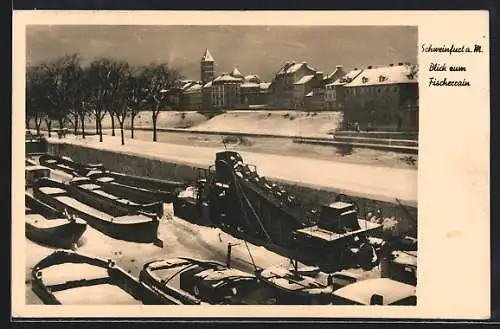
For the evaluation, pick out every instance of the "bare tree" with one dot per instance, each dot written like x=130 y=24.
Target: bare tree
x=159 y=79
x=137 y=96
x=36 y=102
x=99 y=73
x=60 y=77
x=118 y=93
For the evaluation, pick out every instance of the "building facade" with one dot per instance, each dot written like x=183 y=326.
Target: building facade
x=384 y=98
x=335 y=91
x=291 y=85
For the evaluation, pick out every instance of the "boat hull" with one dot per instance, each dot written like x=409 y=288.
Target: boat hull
x=65 y=235
x=160 y=189
x=141 y=231
x=114 y=275
x=150 y=209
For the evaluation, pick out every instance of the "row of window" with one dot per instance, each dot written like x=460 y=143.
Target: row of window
x=370 y=89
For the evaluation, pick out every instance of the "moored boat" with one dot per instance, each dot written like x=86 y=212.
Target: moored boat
x=70 y=278
x=67 y=164
x=282 y=286
x=34 y=172
x=56 y=232
x=166 y=190
x=116 y=196
x=194 y=282
x=112 y=220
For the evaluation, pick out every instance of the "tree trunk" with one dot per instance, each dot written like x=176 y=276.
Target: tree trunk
x=155 y=116
x=132 y=126
x=121 y=132
x=97 y=124
x=112 y=124
x=38 y=122
x=100 y=131
x=28 y=123
x=49 y=126
x=75 y=126
x=82 y=119
x=60 y=121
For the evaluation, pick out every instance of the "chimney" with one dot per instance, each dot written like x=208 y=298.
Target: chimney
x=391 y=64
x=400 y=64
x=369 y=67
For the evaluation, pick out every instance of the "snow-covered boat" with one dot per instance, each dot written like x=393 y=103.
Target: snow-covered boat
x=67 y=164
x=70 y=278
x=193 y=282
x=164 y=190
x=86 y=187
x=115 y=221
x=51 y=227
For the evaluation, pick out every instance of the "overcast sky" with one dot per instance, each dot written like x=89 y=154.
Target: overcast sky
x=252 y=49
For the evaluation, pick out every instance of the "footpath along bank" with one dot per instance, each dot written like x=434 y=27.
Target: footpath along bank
x=388 y=191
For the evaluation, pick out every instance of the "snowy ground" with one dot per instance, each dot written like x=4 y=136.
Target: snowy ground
x=179 y=237
x=373 y=182
x=283 y=146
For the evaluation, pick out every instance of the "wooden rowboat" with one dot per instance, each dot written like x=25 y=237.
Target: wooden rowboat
x=70 y=278
x=114 y=221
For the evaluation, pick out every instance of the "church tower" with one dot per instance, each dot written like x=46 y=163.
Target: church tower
x=207 y=66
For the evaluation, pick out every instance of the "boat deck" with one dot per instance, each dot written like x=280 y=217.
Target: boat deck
x=99 y=294
x=40 y=221
x=80 y=206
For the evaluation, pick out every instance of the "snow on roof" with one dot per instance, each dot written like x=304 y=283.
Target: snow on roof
x=346 y=78
x=363 y=290
x=226 y=78
x=265 y=85
x=193 y=87
x=292 y=67
x=236 y=73
x=386 y=75
x=208 y=84
x=207 y=57
x=304 y=79
x=250 y=85
x=253 y=78
x=309 y=94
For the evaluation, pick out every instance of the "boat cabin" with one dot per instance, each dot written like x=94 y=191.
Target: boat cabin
x=195 y=281
x=281 y=286
x=379 y=291
x=34 y=173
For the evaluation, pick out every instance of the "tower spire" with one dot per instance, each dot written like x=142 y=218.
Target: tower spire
x=207 y=56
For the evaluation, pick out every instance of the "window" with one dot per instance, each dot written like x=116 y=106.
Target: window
x=378 y=90
x=395 y=88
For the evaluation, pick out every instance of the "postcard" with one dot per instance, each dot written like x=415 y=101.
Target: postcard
x=319 y=164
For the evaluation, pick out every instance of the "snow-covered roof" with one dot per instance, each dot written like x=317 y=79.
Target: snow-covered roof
x=207 y=57
x=253 y=78
x=304 y=79
x=208 y=84
x=265 y=85
x=338 y=68
x=363 y=290
x=309 y=94
x=292 y=67
x=386 y=75
x=346 y=78
x=250 y=85
x=225 y=77
x=193 y=88
x=236 y=73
